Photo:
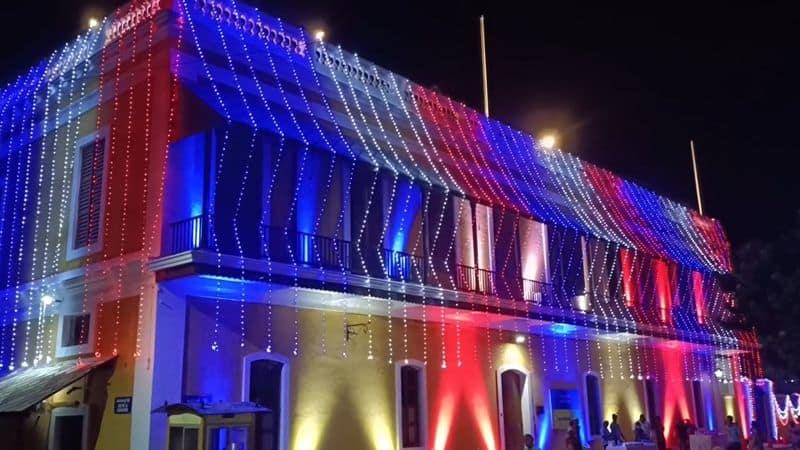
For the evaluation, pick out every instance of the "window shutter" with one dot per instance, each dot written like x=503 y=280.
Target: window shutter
x=87 y=222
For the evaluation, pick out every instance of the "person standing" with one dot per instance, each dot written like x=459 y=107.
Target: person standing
x=733 y=434
x=658 y=433
x=616 y=430
x=573 y=436
x=682 y=429
x=756 y=440
x=608 y=437
x=646 y=427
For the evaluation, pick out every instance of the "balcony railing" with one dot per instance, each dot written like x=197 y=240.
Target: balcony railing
x=473 y=279
x=295 y=247
x=536 y=291
x=404 y=266
x=282 y=244
x=184 y=235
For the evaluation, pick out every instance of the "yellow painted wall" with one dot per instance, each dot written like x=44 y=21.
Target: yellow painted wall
x=116 y=327
x=331 y=393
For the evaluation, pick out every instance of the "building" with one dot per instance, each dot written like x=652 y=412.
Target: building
x=216 y=231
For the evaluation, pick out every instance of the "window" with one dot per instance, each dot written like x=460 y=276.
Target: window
x=567 y=262
x=594 y=413
x=474 y=250
x=533 y=255
x=664 y=285
x=265 y=383
x=88 y=191
x=630 y=268
x=75 y=333
x=605 y=275
x=183 y=438
x=404 y=239
x=68 y=428
x=411 y=404
x=225 y=438
x=699 y=297
x=699 y=404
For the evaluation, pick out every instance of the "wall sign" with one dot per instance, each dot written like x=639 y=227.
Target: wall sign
x=122 y=405
x=565 y=407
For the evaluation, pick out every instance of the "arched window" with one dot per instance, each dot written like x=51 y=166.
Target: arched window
x=594 y=413
x=266 y=382
x=411 y=405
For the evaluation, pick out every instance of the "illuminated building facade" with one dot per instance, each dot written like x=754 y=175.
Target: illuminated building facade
x=216 y=231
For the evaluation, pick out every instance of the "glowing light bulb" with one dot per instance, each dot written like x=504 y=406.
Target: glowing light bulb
x=93 y=22
x=548 y=141
x=47 y=299
x=519 y=339
x=319 y=35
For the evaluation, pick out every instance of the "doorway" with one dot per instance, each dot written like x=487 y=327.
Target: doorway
x=68 y=429
x=514 y=405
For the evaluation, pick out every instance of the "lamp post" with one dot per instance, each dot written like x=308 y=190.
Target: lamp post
x=548 y=141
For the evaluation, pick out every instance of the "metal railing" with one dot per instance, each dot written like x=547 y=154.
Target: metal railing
x=296 y=247
x=290 y=246
x=404 y=266
x=534 y=291
x=473 y=279
x=184 y=235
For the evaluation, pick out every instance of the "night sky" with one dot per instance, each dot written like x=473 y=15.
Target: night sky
x=625 y=86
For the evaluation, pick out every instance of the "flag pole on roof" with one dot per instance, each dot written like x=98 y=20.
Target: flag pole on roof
x=696 y=179
x=483 y=69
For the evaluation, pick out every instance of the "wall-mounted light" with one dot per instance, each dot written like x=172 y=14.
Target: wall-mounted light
x=47 y=299
x=582 y=303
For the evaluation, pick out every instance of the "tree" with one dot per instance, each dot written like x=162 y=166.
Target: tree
x=768 y=297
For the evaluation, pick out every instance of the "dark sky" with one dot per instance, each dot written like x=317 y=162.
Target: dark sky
x=626 y=86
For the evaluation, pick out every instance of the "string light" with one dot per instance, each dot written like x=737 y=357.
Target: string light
x=504 y=171
x=17 y=102
x=145 y=246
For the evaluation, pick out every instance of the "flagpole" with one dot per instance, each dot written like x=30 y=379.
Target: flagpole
x=696 y=179
x=483 y=67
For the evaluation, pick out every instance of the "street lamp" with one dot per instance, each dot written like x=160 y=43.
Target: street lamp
x=548 y=141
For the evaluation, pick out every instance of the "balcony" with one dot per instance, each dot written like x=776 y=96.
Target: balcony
x=277 y=244
x=560 y=302
x=288 y=246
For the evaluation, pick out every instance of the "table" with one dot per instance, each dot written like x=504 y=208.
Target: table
x=634 y=446
x=700 y=442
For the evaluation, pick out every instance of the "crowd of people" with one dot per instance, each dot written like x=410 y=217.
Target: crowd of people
x=654 y=432
x=643 y=431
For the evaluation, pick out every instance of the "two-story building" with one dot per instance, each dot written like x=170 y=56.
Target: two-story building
x=219 y=233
